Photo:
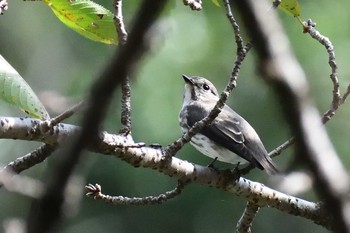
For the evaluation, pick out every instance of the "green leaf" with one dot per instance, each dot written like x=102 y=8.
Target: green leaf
x=87 y=18
x=291 y=7
x=216 y=2
x=16 y=91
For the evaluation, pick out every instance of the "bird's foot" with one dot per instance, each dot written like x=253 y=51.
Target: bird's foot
x=236 y=172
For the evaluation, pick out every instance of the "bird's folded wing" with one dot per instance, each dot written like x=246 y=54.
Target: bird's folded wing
x=228 y=135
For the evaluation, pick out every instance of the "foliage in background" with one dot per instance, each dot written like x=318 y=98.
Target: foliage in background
x=16 y=91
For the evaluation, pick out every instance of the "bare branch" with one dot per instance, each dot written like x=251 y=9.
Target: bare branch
x=126 y=107
x=277 y=151
x=29 y=160
x=346 y=94
x=279 y=66
x=173 y=148
x=95 y=192
x=245 y=222
x=337 y=100
x=66 y=114
x=310 y=28
x=139 y=155
x=235 y=26
x=47 y=211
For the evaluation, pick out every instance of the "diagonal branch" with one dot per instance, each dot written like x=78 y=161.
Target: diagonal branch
x=235 y=26
x=337 y=99
x=45 y=213
x=242 y=51
x=31 y=159
x=244 y=224
x=67 y=113
x=138 y=155
x=280 y=68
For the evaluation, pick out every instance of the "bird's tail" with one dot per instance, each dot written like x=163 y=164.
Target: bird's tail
x=269 y=166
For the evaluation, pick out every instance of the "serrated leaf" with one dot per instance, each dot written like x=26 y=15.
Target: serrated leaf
x=216 y=3
x=291 y=7
x=16 y=91
x=87 y=18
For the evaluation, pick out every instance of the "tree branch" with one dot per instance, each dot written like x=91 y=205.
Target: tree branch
x=139 y=155
x=66 y=114
x=246 y=221
x=45 y=213
x=242 y=51
x=125 y=85
x=95 y=192
x=29 y=160
x=280 y=68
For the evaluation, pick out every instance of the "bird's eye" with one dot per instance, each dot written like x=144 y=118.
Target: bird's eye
x=206 y=87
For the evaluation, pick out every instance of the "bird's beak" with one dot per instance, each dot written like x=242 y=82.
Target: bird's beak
x=187 y=79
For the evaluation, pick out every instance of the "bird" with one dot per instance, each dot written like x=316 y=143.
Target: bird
x=229 y=138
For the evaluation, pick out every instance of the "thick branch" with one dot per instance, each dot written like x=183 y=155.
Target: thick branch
x=245 y=222
x=139 y=155
x=31 y=159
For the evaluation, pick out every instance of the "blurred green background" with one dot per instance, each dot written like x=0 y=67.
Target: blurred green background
x=60 y=66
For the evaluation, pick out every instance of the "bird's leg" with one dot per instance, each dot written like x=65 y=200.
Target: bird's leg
x=211 y=165
x=236 y=171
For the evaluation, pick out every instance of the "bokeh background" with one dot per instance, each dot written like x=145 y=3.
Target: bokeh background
x=60 y=66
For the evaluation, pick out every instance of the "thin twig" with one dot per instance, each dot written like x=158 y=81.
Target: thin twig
x=119 y=22
x=95 y=192
x=173 y=148
x=31 y=159
x=345 y=96
x=66 y=114
x=310 y=28
x=125 y=85
x=235 y=26
x=125 y=107
x=245 y=223
x=138 y=155
x=337 y=99
x=281 y=69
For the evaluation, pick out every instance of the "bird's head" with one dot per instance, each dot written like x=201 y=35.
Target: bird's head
x=198 y=88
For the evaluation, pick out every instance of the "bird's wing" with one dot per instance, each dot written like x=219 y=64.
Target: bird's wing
x=226 y=133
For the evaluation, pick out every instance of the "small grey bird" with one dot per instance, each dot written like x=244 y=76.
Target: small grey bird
x=229 y=138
